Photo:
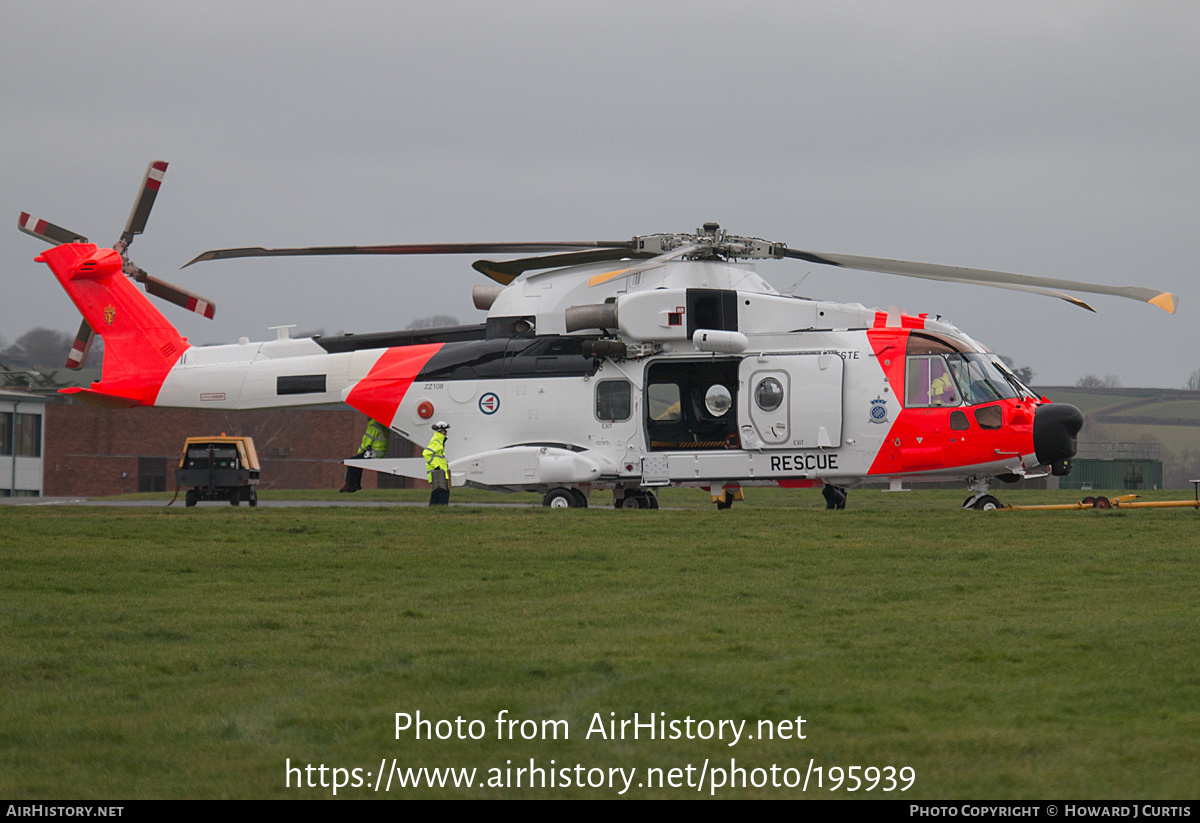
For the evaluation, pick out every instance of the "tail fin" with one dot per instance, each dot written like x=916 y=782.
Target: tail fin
x=140 y=345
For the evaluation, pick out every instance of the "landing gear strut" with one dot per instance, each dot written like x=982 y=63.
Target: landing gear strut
x=980 y=500
x=835 y=496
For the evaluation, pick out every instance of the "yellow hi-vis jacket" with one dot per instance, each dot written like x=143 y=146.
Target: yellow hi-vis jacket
x=435 y=456
x=376 y=439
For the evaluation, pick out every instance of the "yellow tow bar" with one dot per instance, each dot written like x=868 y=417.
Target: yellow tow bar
x=1124 y=501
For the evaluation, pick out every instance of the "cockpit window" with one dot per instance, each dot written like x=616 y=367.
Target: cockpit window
x=1013 y=380
x=981 y=381
x=955 y=379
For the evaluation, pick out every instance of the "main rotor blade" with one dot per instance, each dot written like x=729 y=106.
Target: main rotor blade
x=653 y=263
x=47 y=231
x=145 y=201
x=426 y=248
x=180 y=297
x=506 y=271
x=81 y=347
x=985 y=277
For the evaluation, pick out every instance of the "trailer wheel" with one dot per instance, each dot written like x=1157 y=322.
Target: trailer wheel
x=1102 y=503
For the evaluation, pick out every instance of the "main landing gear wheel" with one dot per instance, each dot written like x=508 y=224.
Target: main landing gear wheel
x=986 y=503
x=564 y=498
x=637 y=500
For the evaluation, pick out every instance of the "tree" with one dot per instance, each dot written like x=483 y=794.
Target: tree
x=39 y=347
x=1193 y=383
x=1024 y=374
x=433 y=321
x=1091 y=381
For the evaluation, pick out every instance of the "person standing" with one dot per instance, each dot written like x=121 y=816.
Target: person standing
x=437 y=469
x=374 y=444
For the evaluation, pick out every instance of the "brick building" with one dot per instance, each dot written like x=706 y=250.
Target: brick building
x=92 y=451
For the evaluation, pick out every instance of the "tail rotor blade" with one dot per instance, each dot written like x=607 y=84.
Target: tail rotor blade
x=81 y=347
x=180 y=297
x=47 y=231
x=145 y=201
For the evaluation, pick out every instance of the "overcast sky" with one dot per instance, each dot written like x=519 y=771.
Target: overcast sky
x=1052 y=138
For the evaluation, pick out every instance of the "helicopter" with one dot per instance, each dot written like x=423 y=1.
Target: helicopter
x=625 y=366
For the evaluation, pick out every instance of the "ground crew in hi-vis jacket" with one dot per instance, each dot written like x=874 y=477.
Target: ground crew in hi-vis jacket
x=437 y=469
x=374 y=444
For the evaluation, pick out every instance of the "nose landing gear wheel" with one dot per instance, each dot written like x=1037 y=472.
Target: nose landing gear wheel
x=987 y=503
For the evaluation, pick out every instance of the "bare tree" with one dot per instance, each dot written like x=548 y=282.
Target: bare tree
x=434 y=321
x=1024 y=374
x=1091 y=381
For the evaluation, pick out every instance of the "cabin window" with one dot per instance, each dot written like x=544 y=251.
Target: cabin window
x=959 y=421
x=717 y=400
x=664 y=405
x=614 y=400
x=768 y=394
x=989 y=417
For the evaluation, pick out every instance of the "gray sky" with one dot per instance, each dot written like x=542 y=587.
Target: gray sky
x=1051 y=138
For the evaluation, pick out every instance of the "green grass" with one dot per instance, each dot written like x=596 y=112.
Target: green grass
x=190 y=653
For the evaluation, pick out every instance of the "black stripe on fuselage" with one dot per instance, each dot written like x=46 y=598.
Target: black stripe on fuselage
x=512 y=358
x=408 y=337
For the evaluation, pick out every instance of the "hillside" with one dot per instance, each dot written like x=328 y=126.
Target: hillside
x=1138 y=420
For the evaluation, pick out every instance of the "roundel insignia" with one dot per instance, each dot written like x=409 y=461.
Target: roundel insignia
x=879 y=410
x=489 y=403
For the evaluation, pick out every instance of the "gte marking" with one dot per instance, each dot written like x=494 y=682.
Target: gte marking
x=621 y=366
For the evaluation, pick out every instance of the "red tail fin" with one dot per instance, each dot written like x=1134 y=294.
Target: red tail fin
x=140 y=345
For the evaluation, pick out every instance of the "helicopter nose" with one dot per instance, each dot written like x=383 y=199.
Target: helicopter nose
x=1055 y=427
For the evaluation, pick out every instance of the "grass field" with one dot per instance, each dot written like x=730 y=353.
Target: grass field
x=193 y=653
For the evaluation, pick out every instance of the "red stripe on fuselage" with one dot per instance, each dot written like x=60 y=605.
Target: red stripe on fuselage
x=378 y=395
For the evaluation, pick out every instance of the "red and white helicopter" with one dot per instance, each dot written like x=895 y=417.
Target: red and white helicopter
x=626 y=366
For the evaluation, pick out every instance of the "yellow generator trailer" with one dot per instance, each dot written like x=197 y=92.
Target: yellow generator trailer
x=219 y=468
